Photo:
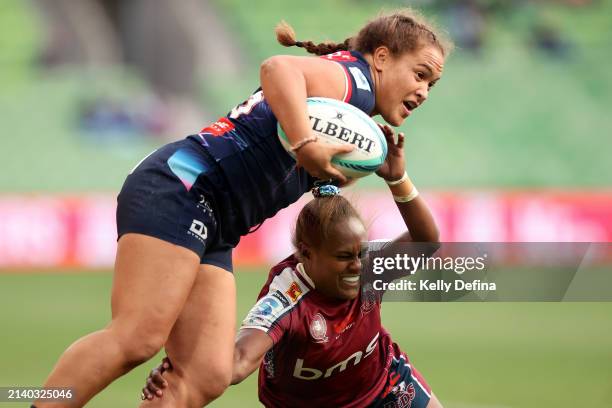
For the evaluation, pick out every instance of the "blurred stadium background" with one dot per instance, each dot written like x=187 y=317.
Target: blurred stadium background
x=514 y=145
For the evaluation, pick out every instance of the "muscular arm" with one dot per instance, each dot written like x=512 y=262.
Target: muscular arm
x=287 y=81
x=419 y=221
x=250 y=348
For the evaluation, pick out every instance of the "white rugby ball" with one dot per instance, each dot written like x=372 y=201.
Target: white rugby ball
x=338 y=122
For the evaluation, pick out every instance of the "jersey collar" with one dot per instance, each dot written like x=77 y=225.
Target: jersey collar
x=300 y=270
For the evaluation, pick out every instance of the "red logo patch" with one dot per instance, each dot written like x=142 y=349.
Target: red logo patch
x=340 y=56
x=220 y=127
x=294 y=291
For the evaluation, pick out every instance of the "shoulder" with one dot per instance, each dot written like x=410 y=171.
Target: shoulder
x=285 y=289
x=359 y=86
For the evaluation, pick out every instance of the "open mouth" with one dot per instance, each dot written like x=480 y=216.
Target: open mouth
x=410 y=106
x=350 y=279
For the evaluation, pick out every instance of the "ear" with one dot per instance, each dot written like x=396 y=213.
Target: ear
x=304 y=250
x=380 y=58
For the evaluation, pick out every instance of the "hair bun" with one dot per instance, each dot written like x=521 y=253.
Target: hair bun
x=327 y=190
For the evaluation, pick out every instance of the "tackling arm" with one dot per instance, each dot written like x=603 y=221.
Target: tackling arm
x=250 y=348
x=415 y=213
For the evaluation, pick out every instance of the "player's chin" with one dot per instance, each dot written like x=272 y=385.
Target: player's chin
x=348 y=292
x=394 y=119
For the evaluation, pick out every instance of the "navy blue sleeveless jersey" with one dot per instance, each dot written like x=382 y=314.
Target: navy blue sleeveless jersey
x=252 y=175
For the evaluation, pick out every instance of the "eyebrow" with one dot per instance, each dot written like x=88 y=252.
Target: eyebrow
x=427 y=67
x=345 y=251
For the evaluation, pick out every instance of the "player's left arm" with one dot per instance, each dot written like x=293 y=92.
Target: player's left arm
x=420 y=223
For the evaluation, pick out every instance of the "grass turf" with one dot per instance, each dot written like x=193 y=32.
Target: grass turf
x=473 y=354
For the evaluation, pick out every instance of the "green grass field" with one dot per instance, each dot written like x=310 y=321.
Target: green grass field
x=473 y=354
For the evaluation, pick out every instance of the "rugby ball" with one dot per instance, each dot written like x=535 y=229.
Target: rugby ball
x=338 y=122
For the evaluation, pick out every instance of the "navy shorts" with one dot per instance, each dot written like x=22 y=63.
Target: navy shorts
x=165 y=197
x=405 y=388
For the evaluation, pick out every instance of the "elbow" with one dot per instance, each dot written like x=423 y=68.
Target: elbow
x=237 y=370
x=236 y=378
x=430 y=235
x=270 y=66
x=434 y=236
x=243 y=367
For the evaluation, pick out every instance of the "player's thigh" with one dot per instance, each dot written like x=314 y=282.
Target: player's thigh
x=202 y=340
x=152 y=282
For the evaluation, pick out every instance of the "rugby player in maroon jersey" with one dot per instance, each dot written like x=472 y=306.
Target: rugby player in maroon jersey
x=314 y=333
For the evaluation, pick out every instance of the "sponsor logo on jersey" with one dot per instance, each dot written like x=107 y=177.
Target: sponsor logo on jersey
x=255 y=320
x=220 y=127
x=339 y=56
x=204 y=205
x=342 y=328
x=268 y=306
x=198 y=230
x=281 y=298
x=294 y=291
x=309 y=374
x=360 y=79
x=318 y=328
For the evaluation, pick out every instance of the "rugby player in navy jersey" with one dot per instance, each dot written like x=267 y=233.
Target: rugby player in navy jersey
x=184 y=208
x=315 y=333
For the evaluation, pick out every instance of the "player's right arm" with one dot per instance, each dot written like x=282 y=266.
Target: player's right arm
x=286 y=82
x=250 y=348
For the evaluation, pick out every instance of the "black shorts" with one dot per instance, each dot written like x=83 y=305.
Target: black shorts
x=164 y=197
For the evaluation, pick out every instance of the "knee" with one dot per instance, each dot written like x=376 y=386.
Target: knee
x=137 y=348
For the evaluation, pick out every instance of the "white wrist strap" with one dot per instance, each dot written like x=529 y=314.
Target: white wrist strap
x=404 y=199
x=400 y=181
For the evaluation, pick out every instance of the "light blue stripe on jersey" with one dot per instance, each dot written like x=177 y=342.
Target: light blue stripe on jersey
x=187 y=166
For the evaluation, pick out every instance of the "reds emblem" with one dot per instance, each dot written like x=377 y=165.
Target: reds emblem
x=294 y=291
x=318 y=328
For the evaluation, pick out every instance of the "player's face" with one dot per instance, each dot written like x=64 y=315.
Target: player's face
x=335 y=268
x=403 y=83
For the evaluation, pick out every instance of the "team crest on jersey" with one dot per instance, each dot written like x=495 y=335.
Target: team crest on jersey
x=318 y=328
x=294 y=291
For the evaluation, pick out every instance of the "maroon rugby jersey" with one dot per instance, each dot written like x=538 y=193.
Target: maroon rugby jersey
x=326 y=352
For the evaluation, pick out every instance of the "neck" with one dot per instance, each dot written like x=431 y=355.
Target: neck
x=370 y=60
